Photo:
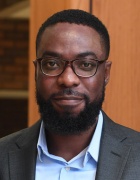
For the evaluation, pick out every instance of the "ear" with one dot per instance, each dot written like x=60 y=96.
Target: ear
x=107 y=71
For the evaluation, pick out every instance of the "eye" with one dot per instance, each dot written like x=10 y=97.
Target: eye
x=86 y=65
x=50 y=64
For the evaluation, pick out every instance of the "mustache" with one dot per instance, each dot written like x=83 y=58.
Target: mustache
x=69 y=91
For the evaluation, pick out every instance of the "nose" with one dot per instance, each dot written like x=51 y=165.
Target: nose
x=68 y=78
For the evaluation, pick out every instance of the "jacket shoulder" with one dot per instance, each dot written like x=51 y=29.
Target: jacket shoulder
x=22 y=136
x=120 y=131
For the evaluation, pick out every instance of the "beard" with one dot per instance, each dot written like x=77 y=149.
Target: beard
x=67 y=123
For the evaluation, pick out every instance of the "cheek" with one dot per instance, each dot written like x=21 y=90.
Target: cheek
x=45 y=86
x=94 y=87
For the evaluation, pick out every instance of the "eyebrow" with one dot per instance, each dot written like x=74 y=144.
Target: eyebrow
x=87 y=53
x=80 y=55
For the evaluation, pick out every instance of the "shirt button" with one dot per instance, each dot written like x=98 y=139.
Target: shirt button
x=67 y=168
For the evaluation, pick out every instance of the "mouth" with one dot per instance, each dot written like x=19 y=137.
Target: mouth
x=68 y=100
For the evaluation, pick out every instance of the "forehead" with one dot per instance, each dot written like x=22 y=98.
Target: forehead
x=70 y=39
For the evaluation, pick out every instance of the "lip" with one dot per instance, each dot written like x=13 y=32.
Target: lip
x=68 y=100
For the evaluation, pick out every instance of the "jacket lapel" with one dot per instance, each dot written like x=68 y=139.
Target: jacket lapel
x=22 y=164
x=114 y=153
x=22 y=158
x=112 y=159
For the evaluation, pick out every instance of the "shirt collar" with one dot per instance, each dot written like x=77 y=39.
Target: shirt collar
x=42 y=145
x=93 y=148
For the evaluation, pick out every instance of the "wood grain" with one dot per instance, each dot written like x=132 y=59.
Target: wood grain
x=123 y=92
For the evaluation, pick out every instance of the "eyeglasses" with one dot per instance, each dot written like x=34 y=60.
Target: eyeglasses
x=83 y=67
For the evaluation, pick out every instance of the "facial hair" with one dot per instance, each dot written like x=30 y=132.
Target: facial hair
x=68 y=124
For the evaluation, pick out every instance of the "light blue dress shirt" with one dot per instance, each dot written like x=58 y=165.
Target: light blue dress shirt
x=81 y=167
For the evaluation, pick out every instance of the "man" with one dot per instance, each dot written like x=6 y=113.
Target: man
x=74 y=138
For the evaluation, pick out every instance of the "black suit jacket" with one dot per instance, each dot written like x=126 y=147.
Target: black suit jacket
x=119 y=156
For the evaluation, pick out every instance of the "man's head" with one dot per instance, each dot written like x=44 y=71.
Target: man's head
x=70 y=78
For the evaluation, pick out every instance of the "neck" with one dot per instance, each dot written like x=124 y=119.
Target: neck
x=68 y=146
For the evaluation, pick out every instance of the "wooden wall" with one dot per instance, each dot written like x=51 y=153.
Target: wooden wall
x=122 y=20
x=123 y=92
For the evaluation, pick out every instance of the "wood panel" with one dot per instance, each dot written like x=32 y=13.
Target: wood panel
x=40 y=11
x=123 y=92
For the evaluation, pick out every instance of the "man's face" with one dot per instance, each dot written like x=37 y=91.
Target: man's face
x=69 y=94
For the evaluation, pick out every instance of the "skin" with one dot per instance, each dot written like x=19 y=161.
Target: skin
x=68 y=41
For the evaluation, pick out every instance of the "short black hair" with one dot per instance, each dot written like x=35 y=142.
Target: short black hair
x=76 y=16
